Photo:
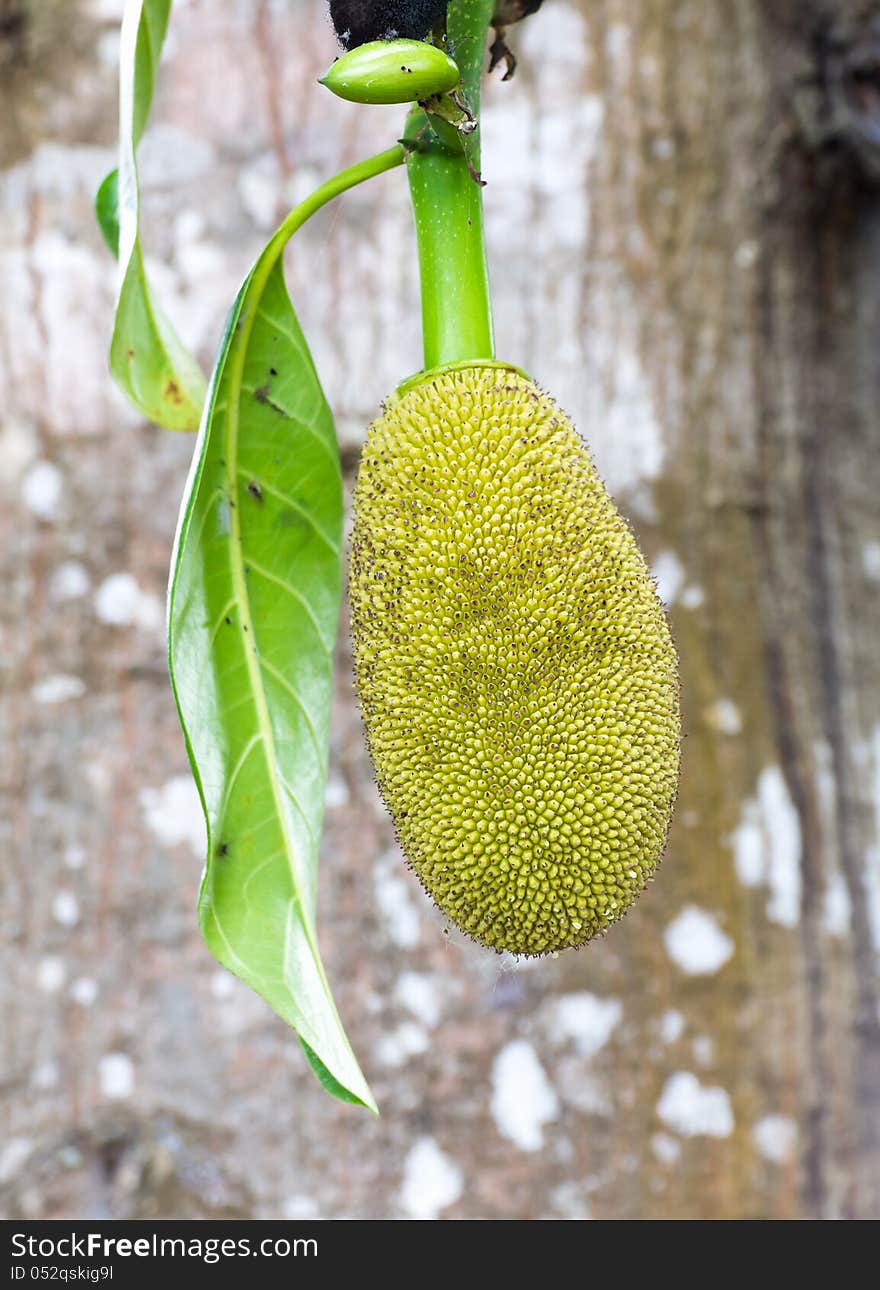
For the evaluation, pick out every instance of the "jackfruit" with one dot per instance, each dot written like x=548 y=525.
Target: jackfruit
x=516 y=674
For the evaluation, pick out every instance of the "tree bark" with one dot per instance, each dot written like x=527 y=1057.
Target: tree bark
x=683 y=216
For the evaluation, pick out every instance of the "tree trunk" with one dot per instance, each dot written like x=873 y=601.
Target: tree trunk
x=683 y=215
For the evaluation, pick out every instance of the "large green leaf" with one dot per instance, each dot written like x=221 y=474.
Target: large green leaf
x=147 y=358
x=253 y=611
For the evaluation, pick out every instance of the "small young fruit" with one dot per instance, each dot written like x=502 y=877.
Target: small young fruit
x=392 y=71
x=516 y=675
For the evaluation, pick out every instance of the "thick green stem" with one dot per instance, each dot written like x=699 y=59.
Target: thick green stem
x=448 y=210
x=467 y=25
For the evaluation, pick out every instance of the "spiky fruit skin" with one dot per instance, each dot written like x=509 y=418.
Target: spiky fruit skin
x=515 y=670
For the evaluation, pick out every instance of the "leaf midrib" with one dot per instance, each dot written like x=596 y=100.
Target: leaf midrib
x=239 y=582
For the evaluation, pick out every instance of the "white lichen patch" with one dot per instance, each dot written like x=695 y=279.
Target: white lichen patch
x=120 y=602
x=671 y=1026
x=523 y=1099
x=666 y=1148
x=420 y=995
x=775 y=1137
x=222 y=985
x=116 y=1076
x=70 y=581
x=13 y=1155
x=65 y=908
x=336 y=793
x=41 y=490
x=672 y=586
x=669 y=575
x=695 y=942
x=584 y=1019
x=431 y=1180
x=703 y=1049
x=723 y=716
x=693 y=1109
x=871 y=560
x=300 y=1207
x=395 y=1048
x=173 y=813
x=693 y=597
x=51 y=974
x=74 y=857
x=399 y=912
x=747 y=842
x=767 y=847
x=45 y=1076
x=618 y=46
x=84 y=991
x=58 y=689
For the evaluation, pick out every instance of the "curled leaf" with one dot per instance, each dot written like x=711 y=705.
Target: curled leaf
x=148 y=360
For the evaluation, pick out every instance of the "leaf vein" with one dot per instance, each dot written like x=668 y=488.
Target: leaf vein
x=294 y=506
x=282 y=680
x=263 y=572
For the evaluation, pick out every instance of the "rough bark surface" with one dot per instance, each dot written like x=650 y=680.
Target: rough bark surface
x=684 y=230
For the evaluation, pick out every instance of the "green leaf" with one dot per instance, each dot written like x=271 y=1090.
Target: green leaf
x=325 y=1079
x=148 y=360
x=107 y=211
x=253 y=612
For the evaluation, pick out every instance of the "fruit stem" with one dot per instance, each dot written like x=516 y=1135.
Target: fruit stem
x=448 y=208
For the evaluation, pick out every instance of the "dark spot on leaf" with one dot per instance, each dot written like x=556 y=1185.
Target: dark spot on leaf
x=130 y=353
x=223 y=849
x=172 y=392
x=255 y=490
x=228 y=619
x=261 y=394
x=273 y=371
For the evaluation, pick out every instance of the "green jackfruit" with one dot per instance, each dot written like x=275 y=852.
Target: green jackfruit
x=516 y=674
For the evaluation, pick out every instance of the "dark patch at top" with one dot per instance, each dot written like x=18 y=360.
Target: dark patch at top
x=359 y=21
